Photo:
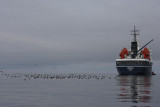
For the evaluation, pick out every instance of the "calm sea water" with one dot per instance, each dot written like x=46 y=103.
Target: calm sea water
x=78 y=90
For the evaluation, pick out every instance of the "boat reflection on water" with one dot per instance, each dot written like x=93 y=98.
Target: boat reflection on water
x=134 y=89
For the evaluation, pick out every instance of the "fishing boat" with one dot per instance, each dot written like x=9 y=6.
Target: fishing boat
x=137 y=60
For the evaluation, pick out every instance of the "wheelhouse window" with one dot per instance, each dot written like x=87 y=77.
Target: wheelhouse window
x=135 y=63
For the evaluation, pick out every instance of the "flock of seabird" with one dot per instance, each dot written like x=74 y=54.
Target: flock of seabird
x=26 y=76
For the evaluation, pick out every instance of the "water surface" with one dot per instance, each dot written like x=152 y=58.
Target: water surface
x=78 y=90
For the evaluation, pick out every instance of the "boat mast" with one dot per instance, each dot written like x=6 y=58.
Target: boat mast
x=135 y=34
x=134 y=44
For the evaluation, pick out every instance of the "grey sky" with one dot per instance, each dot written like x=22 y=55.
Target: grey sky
x=58 y=32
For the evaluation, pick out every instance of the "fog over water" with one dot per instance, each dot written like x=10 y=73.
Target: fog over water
x=64 y=35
